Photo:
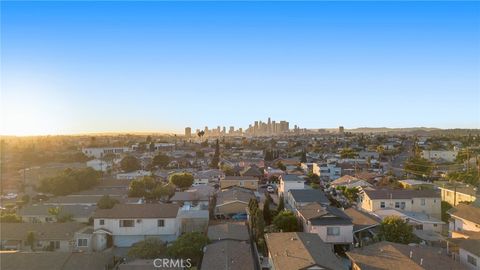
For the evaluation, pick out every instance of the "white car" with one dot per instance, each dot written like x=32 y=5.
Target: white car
x=270 y=189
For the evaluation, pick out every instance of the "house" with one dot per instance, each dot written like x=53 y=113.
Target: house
x=368 y=154
x=252 y=171
x=386 y=255
x=192 y=219
x=55 y=260
x=99 y=165
x=38 y=213
x=126 y=224
x=300 y=250
x=439 y=155
x=330 y=223
x=99 y=152
x=191 y=198
x=301 y=197
x=330 y=171
x=457 y=193
x=465 y=217
x=239 y=181
x=207 y=176
x=312 y=168
x=466 y=247
x=233 y=200
x=47 y=236
x=364 y=226
x=228 y=231
x=423 y=201
x=133 y=175
x=420 y=221
x=228 y=254
x=290 y=181
x=349 y=181
x=415 y=184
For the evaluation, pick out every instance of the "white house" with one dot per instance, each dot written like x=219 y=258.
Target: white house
x=330 y=172
x=290 y=181
x=99 y=152
x=439 y=155
x=126 y=224
x=98 y=165
x=330 y=223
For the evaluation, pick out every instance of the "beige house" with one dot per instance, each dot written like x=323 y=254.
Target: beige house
x=465 y=218
x=459 y=193
x=422 y=201
x=249 y=182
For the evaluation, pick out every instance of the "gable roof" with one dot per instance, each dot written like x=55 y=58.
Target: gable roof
x=309 y=195
x=43 y=231
x=378 y=194
x=361 y=220
x=387 y=255
x=324 y=215
x=149 y=210
x=232 y=231
x=252 y=171
x=234 y=194
x=299 y=250
x=467 y=212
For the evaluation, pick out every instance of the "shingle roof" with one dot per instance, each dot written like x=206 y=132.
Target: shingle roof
x=53 y=260
x=229 y=230
x=361 y=220
x=378 y=194
x=153 y=210
x=234 y=194
x=43 y=231
x=324 y=215
x=309 y=195
x=228 y=254
x=240 y=178
x=291 y=178
x=77 y=211
x=467 y=212
x=387 y=255
x=298 y=250
x=252 y=171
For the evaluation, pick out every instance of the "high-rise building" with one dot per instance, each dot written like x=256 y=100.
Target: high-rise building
x=231 y=130
x=188 y=132
x=341 y=129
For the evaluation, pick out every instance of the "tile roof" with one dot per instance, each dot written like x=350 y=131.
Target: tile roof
x=153 y=210
x=387 y=255
x=299 y=250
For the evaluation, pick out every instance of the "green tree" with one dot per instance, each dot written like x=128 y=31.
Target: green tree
x=164 y=191
x=395 y=229
x=419 y=167
x=181 y=180
x=267 y=214
x=303 y=157
x=136 y=188
x=189 y=246
x=161 y=160
x=130 y=164
x=10 y=218
x=445 y=206
x=348 y=153
x=281 y=204
x=31 y=239
x=259 y=224
x=286 y=221
x=351 y=194
x=26 y=199
x=471 y=177
x=229 y=171
x=150 y=248
x=216 y=157
x=70 y=181
x=281 y=166
x=106 y=202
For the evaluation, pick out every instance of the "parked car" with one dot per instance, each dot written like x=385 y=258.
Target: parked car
x=270 y=189
x=238 y=217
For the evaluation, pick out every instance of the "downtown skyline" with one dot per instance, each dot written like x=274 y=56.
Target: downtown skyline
x=68 y=69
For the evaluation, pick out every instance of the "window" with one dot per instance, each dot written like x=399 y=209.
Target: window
x=127 y=223
x=382 y=204
x=471 y=260
x=397 y=204
x=402 y=205
x=161 y=223
x=422 y=202
x=333 y=230
x=82 y=242
x=54 y=245
x=102 y=221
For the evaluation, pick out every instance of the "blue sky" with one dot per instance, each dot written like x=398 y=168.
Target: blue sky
x=73 y=67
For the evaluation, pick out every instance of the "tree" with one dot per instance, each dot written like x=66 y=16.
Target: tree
x=26 y=199
x=150 y=248
x=281 y=204
x=136 y=188
x=286 y=221
x=161 y=160
x=151 y=147
x=259 y=224
x=70 y=181
x=216 y=156
x=228 y=170
x=469 y=177
x=54 y=211
x=181 y=180
x=31 y=239
x=395 y=229
x=348 y=153
x=130 y=164
x=10 y=218
x=162 y=191
x=445 y=206
x=419 y=167
x=267 y=215
x=189 y=246
x=303 y=157
x=351 y=194
x=106 y=202
x=281 y=166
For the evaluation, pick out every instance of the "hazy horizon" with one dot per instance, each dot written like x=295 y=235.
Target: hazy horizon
x=119 y=67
